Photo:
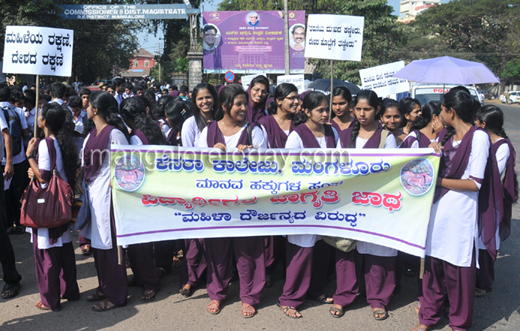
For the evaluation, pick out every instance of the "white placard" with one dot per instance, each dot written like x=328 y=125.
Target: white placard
x=334 y=37
x=297 y=80
x=379 y=79
x=37 y=50
x=246 y=80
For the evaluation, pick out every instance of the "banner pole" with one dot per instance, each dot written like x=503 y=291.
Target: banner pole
x=36 y=106
x=331 y=88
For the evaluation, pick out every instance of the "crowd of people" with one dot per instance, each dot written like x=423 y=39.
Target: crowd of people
x=477 y=163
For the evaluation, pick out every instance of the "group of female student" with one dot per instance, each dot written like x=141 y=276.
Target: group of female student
x=470 y=140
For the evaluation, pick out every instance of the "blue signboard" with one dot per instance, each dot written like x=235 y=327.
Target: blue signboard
x=125 y=12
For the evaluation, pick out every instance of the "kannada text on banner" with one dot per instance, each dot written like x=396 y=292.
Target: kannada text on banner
x=249 y=41
x=334 y=37
x=379 y=196
x=36 y=50
x=380 y=79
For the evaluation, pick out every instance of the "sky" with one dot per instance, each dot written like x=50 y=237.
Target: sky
x=149 y=42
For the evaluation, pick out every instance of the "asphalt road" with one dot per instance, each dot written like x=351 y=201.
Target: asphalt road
x=498 y=311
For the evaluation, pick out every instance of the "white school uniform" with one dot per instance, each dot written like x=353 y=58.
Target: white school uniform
x=364 y=247
x=190 y=132
x=257 y=137
x=502 y=156
x=136 y=141
x=294 y=141
x=44 y=163
x=20 y=157
x=99 y=229
x=453 y=230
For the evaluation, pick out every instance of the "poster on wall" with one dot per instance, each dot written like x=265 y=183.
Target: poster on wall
x=252 y=41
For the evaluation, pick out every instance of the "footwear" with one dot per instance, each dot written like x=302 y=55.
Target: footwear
x=41 y=306
x=214 y=307
x=18 y=229
x=248 y=311
x=161 y=272
x=131 y=282
x=96 y=296
x=418 y=308
x=176 y=262
x=268 y=281
x=480 y=293
x=290 y=312
x=148 y=296
x=420 y=327
x=336 y=312
x=186 y=290
x=103 y=306
x=380 y=312
x=10 y=290
x=322 y=299
x=86 y=250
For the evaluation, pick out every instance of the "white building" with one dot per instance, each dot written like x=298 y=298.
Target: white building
x=411 y=8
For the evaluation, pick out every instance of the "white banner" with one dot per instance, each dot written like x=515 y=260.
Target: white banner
x=334 y=37
x=37 y=50
x=297 y=80
x=379 y=79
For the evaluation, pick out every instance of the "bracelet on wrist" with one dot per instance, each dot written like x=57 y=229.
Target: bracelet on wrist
x=30 y=157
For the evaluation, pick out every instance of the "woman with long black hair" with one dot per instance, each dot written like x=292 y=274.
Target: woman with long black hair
x=109 y=129
x=204 y=104
x=53 y=250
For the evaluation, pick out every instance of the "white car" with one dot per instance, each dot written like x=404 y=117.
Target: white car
x=502 y=97
x=514 y=97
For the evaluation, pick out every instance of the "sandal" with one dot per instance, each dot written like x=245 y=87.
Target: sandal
x=86 y=250
x=290 y=312
x=248 y=311
x=41 y=306
x=18 y=229
x=103 y=306
x=214 y=307
x=480 y=293
x=420 y=327
x=148 y=296
x=380 y=312
x=340 y=312
x=10 y=290
x=96 y=296
x=186 y=290
x=176 y=262
x=131 y=282
x=323 y=299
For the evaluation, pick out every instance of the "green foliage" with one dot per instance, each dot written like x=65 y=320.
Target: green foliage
x=511 y=70
x=481 y=30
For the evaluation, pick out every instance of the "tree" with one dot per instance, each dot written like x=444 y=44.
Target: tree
x=482 y=30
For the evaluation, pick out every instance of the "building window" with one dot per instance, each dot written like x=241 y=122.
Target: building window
x=146 y=63
x=136 y=63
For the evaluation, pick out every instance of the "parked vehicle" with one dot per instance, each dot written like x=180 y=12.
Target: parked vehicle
x=514 y=97
x=434 y=92
x=502 y=97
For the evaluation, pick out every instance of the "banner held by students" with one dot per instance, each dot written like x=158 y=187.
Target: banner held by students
x=297 y=80
x=37 y=50
x=379 y=79
x=379 y=196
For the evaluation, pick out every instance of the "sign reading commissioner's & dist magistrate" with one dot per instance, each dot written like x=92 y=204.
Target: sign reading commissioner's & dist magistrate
x=124 y=12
